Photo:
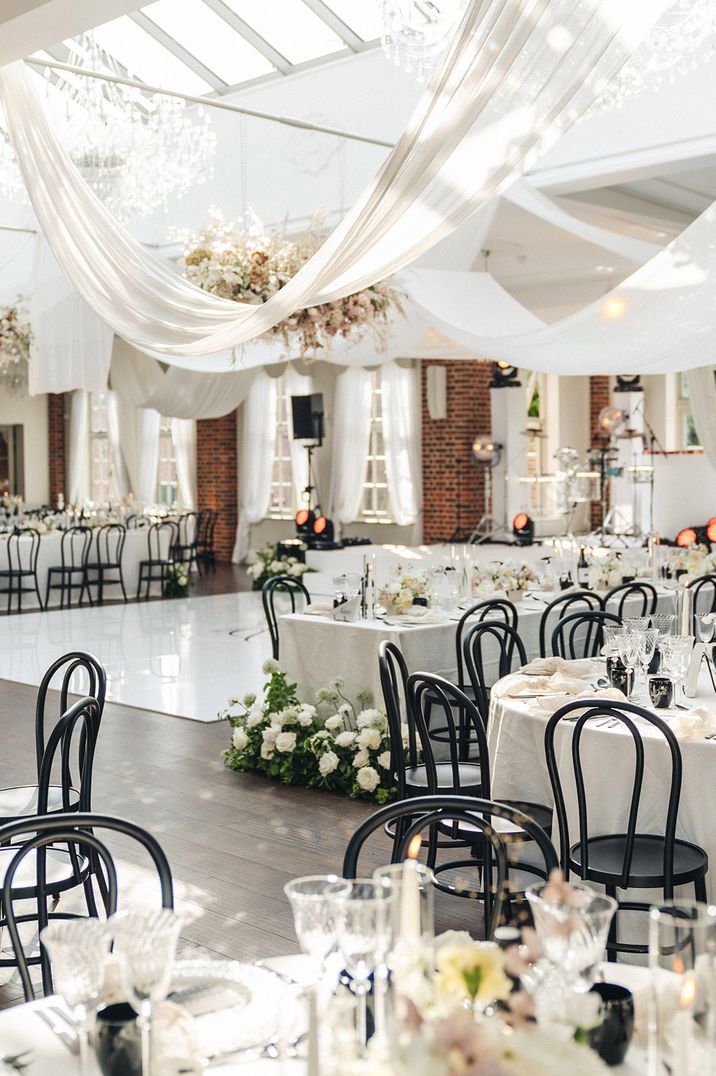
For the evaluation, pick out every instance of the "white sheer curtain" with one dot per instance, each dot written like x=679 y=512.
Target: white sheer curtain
x=184 y=438
x=117 y=438
x=148 y=475
x=516 y=75
x=702 y=397
x=79 y=461
x=256 y=460
x=349 y=445
x=297 y=385
x=402 y=439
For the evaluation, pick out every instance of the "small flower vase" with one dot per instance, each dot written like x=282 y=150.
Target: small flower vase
x=515 y=595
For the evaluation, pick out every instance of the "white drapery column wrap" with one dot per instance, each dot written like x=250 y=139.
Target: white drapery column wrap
x=79 y=463
x=402 y=440
x=256 y=460
x=351 y=437
x=184 y=439
x=516 y=75
x=702 y=397
x=133 y=379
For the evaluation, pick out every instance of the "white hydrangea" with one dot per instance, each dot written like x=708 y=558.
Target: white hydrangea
x=239 y=738
x=270 y=666
x=249 y=700
x=255 y=717
x=367 y=779
x=286 y=742
x=334 y=722
x=384 y=760
x=370 y=719
x=345 y=739
x=328 y=763
x=362 y=758
x=369 y=739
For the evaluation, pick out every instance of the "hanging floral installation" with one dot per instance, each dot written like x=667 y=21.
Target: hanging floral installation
x=15 y=343
x=249 y=264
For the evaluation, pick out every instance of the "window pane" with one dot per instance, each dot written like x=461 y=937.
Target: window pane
x=376 y=503
x=145 y=58
x=291 y=27
x=282 y=500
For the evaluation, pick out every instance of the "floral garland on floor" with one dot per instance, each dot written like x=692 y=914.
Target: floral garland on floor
x=269 y=564
x=249 y=265
x=334 y=745
x=176 y=581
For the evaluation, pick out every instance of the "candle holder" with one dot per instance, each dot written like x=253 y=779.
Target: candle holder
x=682 y=959
x=413 y=908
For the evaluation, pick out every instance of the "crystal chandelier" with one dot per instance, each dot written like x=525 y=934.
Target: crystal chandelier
x=134 y=149
x=416 y=32
x=15 y=343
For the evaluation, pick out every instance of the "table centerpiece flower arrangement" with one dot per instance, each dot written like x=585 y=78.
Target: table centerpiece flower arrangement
x=604 y=571
x=695 y=560
x=405 y=590
x=336 y=744
x=509 y=577
x=269 y=564
x=248 y=264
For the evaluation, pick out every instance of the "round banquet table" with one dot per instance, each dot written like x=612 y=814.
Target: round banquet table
x=516 y=733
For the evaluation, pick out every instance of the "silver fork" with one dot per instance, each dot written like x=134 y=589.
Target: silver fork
x=18 y=1062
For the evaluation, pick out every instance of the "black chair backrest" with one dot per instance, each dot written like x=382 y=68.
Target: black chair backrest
x=704 y=588
x=68 y=665
x=202 y=527
x=75 y=546
x=625 y=713
x=393 y=681
x=477 y=813
x=161 y=539
x=581 y=635
x=631 y=599
x=213 y=517
x=23 y=548
x=188 y=527
x=499 y=609
x=136 y=521
x=559 y=607
x=78 y=830
x=427 y=693
x=281 y=584
x=110 y=543
x=503 y=643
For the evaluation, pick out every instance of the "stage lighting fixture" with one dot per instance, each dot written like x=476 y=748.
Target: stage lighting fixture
x=485 y=450
x=305 y=518
x=611 y=419
x=505 y=376
x=711 y=529
x=323 y=528
x=523 y=529
x=686 y=537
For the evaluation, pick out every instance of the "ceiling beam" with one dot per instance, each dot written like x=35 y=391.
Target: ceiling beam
x=29 y=25
x=354 y=43
x=186 y=57
x=261 y=45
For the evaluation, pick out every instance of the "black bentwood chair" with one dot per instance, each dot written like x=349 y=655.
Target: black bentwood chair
x=161 y=539
x=106 y=570
x=205 y=538
x=581 y=635
x=21 y=801
x=490 y=644
x=490 y=822
x=185 y=550
x=704 y=590
x=281 y=584
x=70 y=574
x=39 y=840
x=631 y=599
x=23 y=548
x=630 y=859
x=572 y=601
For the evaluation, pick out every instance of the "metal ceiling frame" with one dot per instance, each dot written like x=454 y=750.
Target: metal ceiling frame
x=172 y=45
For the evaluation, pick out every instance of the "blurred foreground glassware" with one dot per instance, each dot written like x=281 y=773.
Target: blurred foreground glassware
x=573 y=933
x=78 y=950
x=682 y=959
x=317 y=916
x=365 y=941
x=145 y=944
x=664 y=622
x=412 y=911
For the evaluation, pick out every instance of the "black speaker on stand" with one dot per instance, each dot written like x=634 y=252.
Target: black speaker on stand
x=307 y=417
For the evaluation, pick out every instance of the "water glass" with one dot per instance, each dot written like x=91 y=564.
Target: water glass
x=412 y=910
x=647 y=646
x=664 y=622
x=78 y=950
x=705 y=627
x=145 y=944
x=677 y=657
x=315 y=903
x=365 y=941
x=572 y=934
x=682 y=958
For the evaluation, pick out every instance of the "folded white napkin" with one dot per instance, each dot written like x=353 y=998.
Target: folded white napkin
x=347 y=610
x=694 y=724
x=551 y=665
x=418 y=614
x=559 y=684
x=319 y=609
x=553 y=703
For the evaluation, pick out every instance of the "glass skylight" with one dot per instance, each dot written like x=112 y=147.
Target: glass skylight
x=146 y=59
x=362 y=16
x=207 y=36
x=291 y=27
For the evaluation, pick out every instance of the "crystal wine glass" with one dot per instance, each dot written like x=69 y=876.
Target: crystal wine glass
x=145 y=943
x=572 y=933
x=677 y=658
x=705 y=627
x=365 y=939
x=315 y=903
x=78 y=950
x=647 y=646
x=629 y=644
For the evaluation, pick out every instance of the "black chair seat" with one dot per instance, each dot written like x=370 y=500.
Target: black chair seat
x=606 y=855
x=67 y=568
x=94 y=566
x=21 y=801
x=60 y=871
x=536 y=811
x=470 y=779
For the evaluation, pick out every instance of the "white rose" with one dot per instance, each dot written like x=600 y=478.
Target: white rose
x=328 y=763
x=334 y=722
x=269 y=735
x=285 y=742
x=362 y=758
x=308 y=710
x=345 y=739
x=304 y=719
x=255 y=717
x=384 y=760
x=270 y=667
x=367 y=779
x=405 y=735
x=267 y=751
x=370 y=719
x=239 y=738
x=369 y=739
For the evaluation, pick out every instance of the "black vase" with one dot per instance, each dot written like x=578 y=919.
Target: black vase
x=661 y=692
x=612 y=1037
x=117 y=1041
x=621 y=677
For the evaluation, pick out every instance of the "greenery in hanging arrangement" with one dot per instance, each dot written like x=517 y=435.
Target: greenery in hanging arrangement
x=269 y=564
x=248 y=264
x=336 y=744
x=15 y=337
x=177 y=581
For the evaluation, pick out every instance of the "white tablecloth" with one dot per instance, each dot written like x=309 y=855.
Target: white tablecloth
x=519 y=770
x=135 y=549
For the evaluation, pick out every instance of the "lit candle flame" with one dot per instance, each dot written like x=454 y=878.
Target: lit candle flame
x=688 y=992
x=414 y=847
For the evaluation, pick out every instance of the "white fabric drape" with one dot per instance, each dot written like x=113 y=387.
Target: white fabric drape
x=146 y=486
x=350 y=440
x=297 y=385
x=133 y=379
x=402 y=440
x=516 y=75
x=79 y=462
x=184 y=439
x=702 y=397
x=116 y=438
x=256 y=459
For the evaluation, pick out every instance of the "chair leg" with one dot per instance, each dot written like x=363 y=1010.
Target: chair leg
x=121 y=583
x=612 y=936
x=37 y=590
x=700 y=890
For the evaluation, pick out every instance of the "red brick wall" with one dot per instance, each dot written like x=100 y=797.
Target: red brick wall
x=599 y=397
x=57 y=447
x=450 y=439
x=216 y=477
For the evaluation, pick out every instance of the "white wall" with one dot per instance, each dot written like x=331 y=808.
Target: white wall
x=31 y=413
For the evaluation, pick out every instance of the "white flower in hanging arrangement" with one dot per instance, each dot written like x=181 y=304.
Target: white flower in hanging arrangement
x=15 y=343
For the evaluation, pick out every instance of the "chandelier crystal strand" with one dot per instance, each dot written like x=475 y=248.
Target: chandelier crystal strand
x=416 y=32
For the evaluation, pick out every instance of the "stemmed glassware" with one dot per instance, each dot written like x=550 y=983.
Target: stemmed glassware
x=647 y=646
x=145 y=943
x=78 y=950
x=365 y=940
x=629 y=646
x=316 y=903
x=676 y=656
x=572 y=933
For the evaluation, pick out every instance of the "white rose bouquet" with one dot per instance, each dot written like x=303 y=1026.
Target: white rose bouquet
x=502 y=577
x=604 y=572
x=268 y=565
x=695 y=560
x=404 y=591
